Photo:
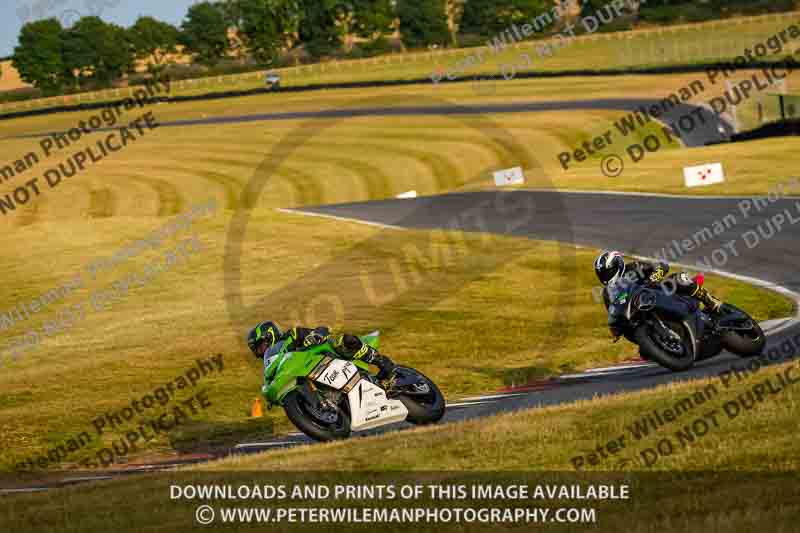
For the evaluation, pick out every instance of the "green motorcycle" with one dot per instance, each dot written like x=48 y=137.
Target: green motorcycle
x=327 y=397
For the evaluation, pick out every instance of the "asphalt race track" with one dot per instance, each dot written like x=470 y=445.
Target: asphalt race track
x=636 y=224
x=712 y=128
x=707 y=127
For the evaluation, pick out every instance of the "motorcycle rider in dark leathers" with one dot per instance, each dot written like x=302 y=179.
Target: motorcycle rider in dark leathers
x=610 y=268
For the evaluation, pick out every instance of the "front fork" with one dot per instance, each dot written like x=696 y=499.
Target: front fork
x=309 y=392
x=667 y=331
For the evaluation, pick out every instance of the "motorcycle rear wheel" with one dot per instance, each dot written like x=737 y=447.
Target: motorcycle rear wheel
x=423 y=409
x=749 y=343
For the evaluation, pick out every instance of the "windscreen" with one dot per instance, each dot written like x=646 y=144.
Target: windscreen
x=273 y=353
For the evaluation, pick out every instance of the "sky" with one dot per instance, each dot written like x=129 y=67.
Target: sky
x=15 y=13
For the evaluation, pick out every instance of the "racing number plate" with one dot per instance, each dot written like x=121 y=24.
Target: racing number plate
x=338 y=373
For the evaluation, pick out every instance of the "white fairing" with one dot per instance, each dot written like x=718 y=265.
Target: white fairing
x=337 y=373
x=370 y=408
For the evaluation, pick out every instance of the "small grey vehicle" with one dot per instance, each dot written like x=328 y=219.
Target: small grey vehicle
x=272 y=80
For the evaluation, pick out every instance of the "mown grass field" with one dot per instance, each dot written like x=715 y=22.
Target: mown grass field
x=738 y=476
x=455 y=298
x=751 y=168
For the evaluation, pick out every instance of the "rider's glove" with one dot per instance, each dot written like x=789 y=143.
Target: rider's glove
x=660 y=272
x=657 y=276
x=314 y=338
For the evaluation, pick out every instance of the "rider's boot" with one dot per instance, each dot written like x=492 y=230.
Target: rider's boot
x=710 y=302
x=352 y=347
x=385 y=365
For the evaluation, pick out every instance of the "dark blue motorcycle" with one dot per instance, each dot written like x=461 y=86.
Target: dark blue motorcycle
x=674 y=331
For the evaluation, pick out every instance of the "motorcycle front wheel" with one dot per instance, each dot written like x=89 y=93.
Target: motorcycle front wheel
x=318 y=424
x=675 y=355
x=748 y=340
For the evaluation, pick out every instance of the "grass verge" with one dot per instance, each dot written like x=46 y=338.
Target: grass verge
x=737 y=476
x=500 y=311
x=461 y=298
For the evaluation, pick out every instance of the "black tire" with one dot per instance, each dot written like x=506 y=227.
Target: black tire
x=296 y=410
x=652 y=351
x=423 y=412
x=745 y=344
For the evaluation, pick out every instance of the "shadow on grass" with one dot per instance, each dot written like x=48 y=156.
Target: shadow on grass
x=205 y=437
x=525 y=375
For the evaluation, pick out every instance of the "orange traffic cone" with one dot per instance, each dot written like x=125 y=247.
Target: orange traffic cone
x=257 y=411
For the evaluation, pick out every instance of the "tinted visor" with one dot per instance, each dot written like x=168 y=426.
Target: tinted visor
x=260 y=347
x=274 y=350
x=606 y=274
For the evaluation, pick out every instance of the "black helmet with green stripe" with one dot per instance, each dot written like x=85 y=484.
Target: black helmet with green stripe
x=262 y=337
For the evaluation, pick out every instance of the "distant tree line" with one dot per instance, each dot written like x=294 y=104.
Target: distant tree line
x=674 y=11
x=94 y=53
x=90 y=52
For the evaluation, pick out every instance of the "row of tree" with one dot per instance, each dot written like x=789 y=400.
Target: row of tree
x=716 y=7
x=53 y=58
x=93 y=52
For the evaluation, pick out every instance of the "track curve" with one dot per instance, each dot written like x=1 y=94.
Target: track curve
x=603 y=220
x=710 y=128
x=771 y=264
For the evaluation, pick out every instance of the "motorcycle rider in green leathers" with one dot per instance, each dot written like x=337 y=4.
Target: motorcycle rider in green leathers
x=267 y=334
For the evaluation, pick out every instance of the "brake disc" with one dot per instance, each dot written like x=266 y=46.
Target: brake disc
x=328 y=416
x=421 y=387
